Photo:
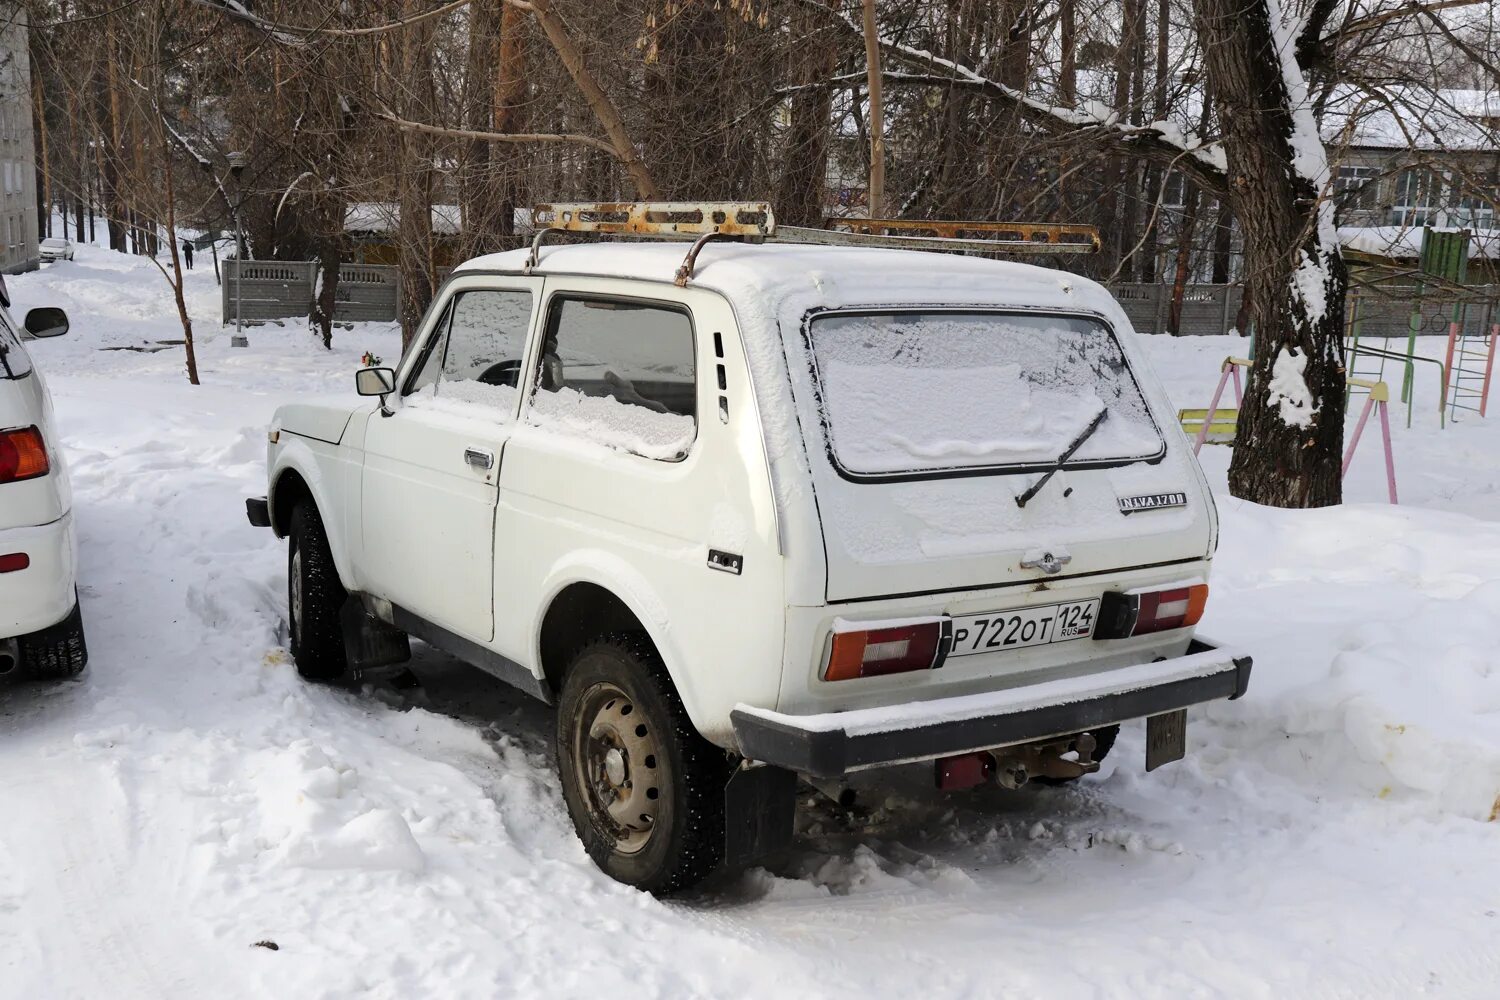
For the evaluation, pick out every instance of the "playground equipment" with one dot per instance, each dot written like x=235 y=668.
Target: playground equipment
x=1207 y=424
x=1218 y=424
x=1378 y=395
x=1440 y=300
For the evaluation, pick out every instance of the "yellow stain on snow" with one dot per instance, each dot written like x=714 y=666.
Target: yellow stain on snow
x=1495 y=810
x=275 y=657
x=1386 y=790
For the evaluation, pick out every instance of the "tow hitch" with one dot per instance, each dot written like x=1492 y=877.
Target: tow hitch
x=1012 y=767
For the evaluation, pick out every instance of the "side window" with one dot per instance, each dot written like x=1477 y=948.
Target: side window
x=486 y=337
x=14 y=361
x=475 y=353
x=621 y=373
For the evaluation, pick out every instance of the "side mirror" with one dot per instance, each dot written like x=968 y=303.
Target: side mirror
x=374 y=381
x=47 y=321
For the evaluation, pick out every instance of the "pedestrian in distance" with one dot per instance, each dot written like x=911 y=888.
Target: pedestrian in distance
x=187 y=253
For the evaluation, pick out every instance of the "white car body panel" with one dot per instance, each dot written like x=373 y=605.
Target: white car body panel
x=485 y=553
x=35 y=514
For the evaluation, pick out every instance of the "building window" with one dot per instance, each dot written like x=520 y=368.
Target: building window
x=1418 y=194
x=1356 y=189
x=1475 y=208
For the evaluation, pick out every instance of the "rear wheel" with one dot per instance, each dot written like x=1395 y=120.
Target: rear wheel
x=644 y=790
x=56 y=653
x=314 y=597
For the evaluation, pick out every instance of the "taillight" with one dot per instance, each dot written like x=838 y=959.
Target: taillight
x=892 y=649
x=22 y=455
x=13 y=562
x=1144 y=612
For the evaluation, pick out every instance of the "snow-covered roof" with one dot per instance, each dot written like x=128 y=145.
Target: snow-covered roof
x=1404 y=241
x=385 y=217
x=1413 y=118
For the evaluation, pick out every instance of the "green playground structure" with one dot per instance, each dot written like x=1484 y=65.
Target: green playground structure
x=1469 y=313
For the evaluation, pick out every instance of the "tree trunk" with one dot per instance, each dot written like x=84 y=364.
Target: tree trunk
x=414 y=180
x=509 y=101
x=800 y=195
x=478 y=203
x=603 y=108
x=1184 y=260
x=1290 y=435
x=876 y=198
x=329 y=258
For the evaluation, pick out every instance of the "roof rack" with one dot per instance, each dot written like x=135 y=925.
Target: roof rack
x=754 y=221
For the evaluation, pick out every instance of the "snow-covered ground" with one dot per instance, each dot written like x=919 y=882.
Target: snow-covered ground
x=1333 y=834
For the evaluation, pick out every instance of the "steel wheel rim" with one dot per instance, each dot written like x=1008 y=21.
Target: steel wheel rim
x=619 y=767
x=295 y=604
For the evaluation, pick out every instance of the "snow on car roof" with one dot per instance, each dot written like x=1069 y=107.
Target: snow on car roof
x=830 y=275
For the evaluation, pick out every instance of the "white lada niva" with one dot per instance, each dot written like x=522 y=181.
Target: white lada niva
x=777 y=509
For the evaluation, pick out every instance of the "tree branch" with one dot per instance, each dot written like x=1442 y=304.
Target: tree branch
x=465 y=133
x=1204 y=162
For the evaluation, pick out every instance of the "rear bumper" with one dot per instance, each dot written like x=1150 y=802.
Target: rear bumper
x=833 y=744
x=42 y=594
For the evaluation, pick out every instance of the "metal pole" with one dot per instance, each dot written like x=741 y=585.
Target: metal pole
x=239 y=339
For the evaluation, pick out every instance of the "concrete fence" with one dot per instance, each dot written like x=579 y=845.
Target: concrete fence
x=1206 y=309
x=283 y=289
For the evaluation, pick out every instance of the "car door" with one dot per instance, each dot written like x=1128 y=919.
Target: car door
x=432 y=459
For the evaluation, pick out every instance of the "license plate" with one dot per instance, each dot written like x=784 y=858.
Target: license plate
x=999 y=630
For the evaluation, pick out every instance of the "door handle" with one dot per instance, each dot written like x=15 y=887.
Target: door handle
x=480 y=458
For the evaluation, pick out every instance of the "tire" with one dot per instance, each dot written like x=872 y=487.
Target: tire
x=55 y=653
x=1104 y=741
x=644 y=790
x=314 y=597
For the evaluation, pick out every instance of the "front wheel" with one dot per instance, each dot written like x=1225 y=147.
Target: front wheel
x=314 y=597
x=644 y=790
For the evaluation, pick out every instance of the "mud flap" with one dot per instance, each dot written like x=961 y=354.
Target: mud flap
x=760 y=804
x=1166 y=738
x=368 y=641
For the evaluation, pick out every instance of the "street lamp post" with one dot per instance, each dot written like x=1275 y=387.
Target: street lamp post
x=237 y=167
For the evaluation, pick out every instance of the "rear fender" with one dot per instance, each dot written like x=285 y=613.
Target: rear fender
x=621 y=579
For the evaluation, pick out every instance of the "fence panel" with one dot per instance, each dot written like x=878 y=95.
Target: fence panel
x=1206 y=309
x=283 y=289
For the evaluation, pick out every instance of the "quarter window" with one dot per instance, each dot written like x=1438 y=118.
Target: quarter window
x=621 y=373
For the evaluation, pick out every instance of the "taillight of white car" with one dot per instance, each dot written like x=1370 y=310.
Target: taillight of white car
x=23 y=455
x=871 y=649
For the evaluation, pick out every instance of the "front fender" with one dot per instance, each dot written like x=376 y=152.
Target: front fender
x=325 y=475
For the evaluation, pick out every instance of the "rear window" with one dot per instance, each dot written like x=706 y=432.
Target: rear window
x=14 y=361
x=949 y=392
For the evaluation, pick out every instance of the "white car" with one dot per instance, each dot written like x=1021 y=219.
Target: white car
x=54 y=248
x=806 y=510
x=41 y=629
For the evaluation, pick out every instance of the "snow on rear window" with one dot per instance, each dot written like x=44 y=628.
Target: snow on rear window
x=942 y=391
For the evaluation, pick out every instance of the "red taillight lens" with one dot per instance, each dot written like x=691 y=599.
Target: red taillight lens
x=879 y=651
x=13 y=561
x=1169 y=609
x=22 y=455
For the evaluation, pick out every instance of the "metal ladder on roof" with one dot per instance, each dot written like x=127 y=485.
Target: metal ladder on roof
x=1471 y=363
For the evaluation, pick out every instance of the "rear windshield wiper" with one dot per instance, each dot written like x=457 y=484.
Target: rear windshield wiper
x=1062 y=459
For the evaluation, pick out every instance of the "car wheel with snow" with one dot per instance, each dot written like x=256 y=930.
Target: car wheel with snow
x=645 y=791
x=314 y=597
x=55 y=653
